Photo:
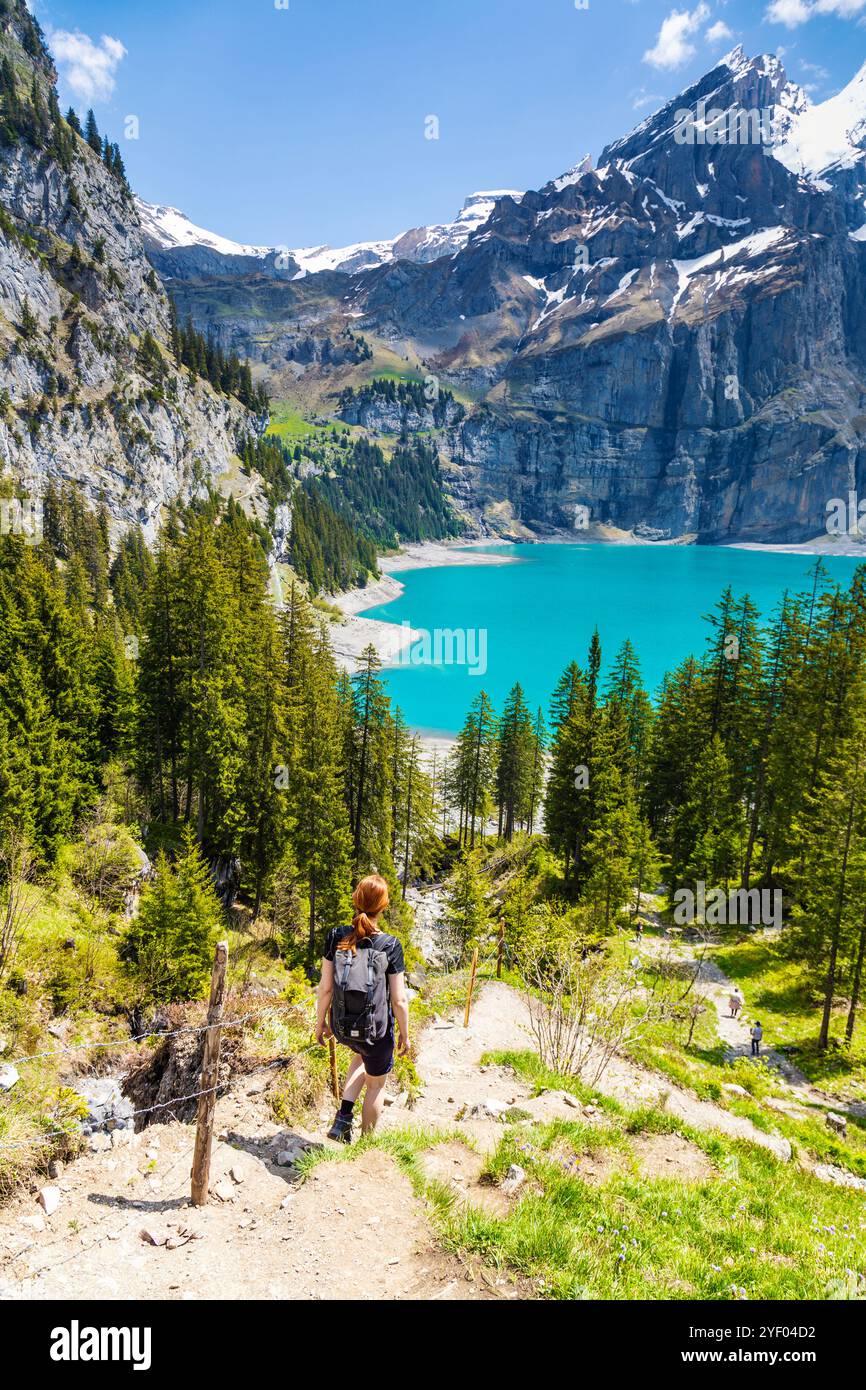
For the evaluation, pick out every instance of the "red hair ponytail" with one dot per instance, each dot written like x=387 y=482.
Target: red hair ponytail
x=370 y=898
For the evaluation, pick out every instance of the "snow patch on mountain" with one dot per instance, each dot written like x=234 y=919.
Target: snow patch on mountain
x=828 y=135
x=169 y=229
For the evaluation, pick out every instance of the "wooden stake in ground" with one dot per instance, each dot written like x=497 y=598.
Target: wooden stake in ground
x=500 y=948
x=471 y=987
x=209 y=1077
x=335 y=1080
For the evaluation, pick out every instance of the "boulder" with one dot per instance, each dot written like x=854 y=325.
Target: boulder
x=489 y=1109
x=837 y=1123
x=49 y=1199
x=8 y=1076
x=513 y=1180
x=107 y=1107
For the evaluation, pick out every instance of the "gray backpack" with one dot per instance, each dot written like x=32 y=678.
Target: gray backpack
x=360 y=1011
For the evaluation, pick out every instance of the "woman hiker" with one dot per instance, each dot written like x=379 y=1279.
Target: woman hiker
x=756 y=1035
x=361 y=992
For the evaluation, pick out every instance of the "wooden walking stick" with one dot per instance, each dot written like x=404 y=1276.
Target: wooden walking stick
x=471 y=987
x=335 y=1080
x=210 y=1065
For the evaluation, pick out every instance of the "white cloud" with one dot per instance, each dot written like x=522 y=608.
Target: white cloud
x=88 y=68
x=643 y=98
x=673 y=48
x=718 y=32
x=845 y=9
x=795 y=12
x=788 y=12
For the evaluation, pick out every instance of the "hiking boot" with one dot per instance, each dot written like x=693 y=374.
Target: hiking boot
x=341 y=1129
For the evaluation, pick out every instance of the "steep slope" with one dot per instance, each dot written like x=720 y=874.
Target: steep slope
x=85 y=396
x=672 y=343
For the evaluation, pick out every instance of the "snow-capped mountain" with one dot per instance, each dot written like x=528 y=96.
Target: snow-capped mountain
x=673 y=342
x=826 y=136
x=181 y=249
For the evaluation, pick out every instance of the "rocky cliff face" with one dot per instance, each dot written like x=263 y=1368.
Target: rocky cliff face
x=78 y=400
x=673 y=342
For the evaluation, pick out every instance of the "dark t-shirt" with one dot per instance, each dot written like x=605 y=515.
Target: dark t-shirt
x=380 y=942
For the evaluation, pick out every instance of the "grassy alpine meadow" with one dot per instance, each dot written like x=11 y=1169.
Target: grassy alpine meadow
x=596 y=1219
x=290 y=426
x=753 y=1229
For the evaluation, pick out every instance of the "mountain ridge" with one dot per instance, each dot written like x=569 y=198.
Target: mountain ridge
x=178 y=247
x=671 y=343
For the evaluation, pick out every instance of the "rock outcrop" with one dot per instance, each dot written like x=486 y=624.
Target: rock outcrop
x=79 y=401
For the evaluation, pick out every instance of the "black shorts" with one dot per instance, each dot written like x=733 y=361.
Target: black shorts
x=379 y=1056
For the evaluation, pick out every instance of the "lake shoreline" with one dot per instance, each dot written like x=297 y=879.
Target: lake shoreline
x=355 y=632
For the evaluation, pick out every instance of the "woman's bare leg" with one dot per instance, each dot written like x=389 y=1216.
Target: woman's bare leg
x=374 y=1101
x=355 y=1078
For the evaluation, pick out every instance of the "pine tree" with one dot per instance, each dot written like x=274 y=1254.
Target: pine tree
x=514 y=763
x=321 y=835
x=91 y=133
x=466 y=912
x=370 y=810
x=474 y=768
x=169 y=946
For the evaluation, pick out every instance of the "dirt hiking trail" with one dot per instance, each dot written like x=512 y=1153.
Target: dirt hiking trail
x=735 y=1032
x=123 y=1227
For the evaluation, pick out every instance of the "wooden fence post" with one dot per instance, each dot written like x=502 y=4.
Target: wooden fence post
x=209 y=1077
x=500 y=948
x=335 y=1080
x=471 y=987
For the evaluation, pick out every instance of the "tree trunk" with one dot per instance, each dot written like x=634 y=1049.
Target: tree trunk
x=855 y=987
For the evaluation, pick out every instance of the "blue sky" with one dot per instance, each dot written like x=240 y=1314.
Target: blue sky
x=295 y=122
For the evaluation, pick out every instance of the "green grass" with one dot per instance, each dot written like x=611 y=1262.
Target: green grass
x=777 y=992
x=289 y=424
x=703 y=1069
x=756 y=1228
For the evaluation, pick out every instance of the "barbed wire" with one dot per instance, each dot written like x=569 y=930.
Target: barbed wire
x=79 y=1130
x=96 y=1129
x=140 y=1037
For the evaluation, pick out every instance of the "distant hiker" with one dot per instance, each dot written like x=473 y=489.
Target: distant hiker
x=736 y=1002
x=638 y=930
x=756 y=1035
x=361 y=991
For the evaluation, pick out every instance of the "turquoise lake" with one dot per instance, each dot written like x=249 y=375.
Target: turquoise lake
x=539 y=613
